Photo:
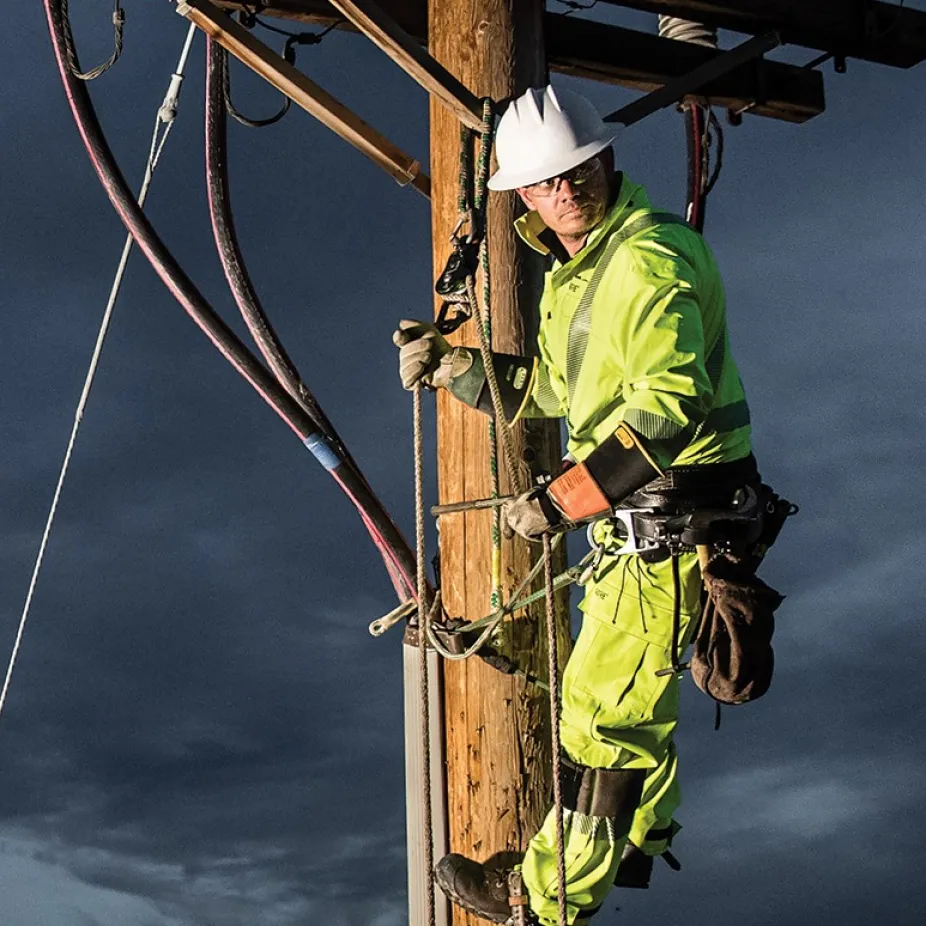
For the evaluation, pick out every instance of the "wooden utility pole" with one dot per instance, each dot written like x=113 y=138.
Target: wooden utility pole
x=497 y=726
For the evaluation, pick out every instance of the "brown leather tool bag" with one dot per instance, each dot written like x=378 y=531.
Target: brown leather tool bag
x=732 y=659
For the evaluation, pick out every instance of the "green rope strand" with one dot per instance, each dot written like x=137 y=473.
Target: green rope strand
x=479 y=215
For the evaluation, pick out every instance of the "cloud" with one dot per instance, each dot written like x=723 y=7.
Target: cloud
x=201 y=731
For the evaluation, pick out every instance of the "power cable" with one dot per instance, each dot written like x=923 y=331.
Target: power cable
x=242 y=287
x=211 y=324
x=293 y=39
x=574 y=7
x=164 y=122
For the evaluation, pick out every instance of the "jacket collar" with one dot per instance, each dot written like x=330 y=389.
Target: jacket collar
x=630 y=197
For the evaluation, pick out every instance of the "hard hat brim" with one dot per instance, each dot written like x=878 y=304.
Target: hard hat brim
x=513 y=178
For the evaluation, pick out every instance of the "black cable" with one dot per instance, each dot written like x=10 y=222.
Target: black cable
x=238 y=116
x=232 y=259
x=694 y=133
x=574 y=7
x=186 y=293
x=249 y=19
x=717 y=129
x=303 y=38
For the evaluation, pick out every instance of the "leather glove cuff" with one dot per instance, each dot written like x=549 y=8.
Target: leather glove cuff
x=452 y=366
x=612 y=471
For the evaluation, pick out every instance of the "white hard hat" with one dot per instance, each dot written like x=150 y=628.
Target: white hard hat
x=545 y=133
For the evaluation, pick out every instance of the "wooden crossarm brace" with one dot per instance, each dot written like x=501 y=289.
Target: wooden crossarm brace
x=305 y=93
x=388 y=35
x=673 y=91
x=886 y=33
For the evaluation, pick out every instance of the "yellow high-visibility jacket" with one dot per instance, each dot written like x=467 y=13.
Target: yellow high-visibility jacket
x=633 y=330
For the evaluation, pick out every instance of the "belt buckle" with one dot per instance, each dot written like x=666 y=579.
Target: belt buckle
x=633 y=543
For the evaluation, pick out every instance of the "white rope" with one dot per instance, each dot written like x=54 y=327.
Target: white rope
x=165 y=120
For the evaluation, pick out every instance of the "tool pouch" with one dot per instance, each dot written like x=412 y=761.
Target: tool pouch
x=732 y=659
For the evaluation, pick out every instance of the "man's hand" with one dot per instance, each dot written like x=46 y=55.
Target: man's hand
x=425 y=357
x=532 y=514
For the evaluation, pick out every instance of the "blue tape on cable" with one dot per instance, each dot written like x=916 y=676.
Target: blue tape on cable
x=322 y=450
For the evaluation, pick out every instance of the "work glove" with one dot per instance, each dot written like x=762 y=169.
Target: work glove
x=425 y=357
x=533 y=514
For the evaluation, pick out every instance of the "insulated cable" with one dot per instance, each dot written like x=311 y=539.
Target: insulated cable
x=698 y=120
x=205 y=317
x=167 y=114
x=236 y=273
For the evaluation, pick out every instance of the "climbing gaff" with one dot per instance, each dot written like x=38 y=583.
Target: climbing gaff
x=185 y=291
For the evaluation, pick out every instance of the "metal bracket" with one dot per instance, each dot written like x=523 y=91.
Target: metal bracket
x=711 y=70
x=402 y=612
x=633 y=543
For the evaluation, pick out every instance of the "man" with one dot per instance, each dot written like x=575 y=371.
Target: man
x=633 y=353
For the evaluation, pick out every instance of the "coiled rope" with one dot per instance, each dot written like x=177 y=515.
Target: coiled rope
x=164 y=122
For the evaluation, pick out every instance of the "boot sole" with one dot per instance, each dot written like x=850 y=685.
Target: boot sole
x=468 y=907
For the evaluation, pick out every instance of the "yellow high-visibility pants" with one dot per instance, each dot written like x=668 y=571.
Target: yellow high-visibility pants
x=617 y=713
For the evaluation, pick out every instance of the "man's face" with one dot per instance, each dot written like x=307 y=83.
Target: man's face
x=573 y=203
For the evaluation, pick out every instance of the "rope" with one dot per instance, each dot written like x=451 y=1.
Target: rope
x=423 y=628
x=490 y=622
x=503 y=429
x=552 y=655
x=471 y=206
x=71 y=53
x=167 y=113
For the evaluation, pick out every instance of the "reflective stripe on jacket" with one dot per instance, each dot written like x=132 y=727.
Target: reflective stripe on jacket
x=633 y=329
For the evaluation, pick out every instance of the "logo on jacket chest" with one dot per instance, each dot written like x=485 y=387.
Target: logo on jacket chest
x=570 y=290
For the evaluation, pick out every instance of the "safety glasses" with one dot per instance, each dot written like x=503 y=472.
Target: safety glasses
x=578 y=175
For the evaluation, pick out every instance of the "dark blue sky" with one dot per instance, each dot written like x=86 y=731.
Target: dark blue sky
x=200 y=731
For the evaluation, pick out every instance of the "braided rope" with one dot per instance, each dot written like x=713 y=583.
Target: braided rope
x=552 y=655
x=471 y=206
x=163 y=124
x=71 y=53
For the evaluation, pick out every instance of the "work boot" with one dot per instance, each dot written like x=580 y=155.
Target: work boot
x=635 y=868
x=479 y=887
